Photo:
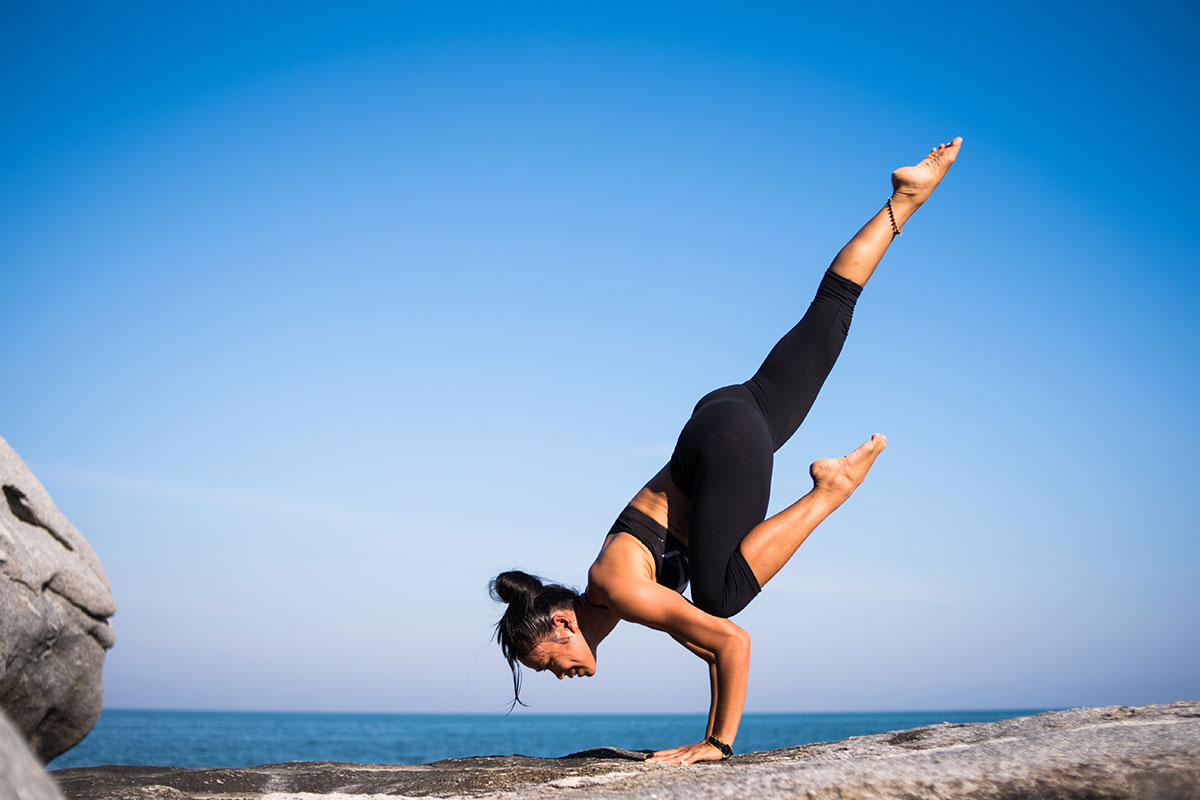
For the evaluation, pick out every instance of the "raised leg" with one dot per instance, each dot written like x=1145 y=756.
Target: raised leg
x=911 y=187
x=787 y=383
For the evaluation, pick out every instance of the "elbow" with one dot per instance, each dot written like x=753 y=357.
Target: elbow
x=738 y=643
x=744 y=642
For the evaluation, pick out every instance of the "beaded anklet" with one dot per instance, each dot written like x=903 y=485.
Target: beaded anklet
x=892 y=216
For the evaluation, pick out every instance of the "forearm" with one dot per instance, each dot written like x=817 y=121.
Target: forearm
x=714 y=693
x=712 y=703
x=732 y=674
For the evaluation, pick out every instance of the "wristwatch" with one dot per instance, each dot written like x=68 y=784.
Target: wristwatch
x=726 y=750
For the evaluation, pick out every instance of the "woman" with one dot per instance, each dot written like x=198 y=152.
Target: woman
x=702 y=517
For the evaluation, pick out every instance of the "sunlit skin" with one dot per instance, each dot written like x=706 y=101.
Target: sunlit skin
x=622 y=577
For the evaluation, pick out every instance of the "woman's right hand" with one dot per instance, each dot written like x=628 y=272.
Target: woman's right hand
x=688 y=754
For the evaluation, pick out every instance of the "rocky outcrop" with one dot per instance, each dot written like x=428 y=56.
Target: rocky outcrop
x=54 y=608
x=21 y=775
x=1095 y=753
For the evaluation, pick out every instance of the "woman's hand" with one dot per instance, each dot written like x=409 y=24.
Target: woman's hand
x=688 y=754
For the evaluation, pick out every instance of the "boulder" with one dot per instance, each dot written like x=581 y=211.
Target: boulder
x=54 y=608
x=21 y=776
x=1144 y=753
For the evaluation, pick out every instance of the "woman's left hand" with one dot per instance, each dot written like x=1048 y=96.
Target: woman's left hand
x=688 y=754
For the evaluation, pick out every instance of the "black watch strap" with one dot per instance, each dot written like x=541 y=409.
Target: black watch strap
x=726 y=750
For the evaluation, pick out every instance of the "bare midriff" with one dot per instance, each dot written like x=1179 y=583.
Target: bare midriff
x=663 y=502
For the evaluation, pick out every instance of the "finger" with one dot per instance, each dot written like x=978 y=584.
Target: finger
x=663 y=755
x=669 y=753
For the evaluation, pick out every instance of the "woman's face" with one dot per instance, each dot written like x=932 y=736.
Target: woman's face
x=564 y=652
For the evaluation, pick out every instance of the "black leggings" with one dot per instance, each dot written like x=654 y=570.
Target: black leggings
x=724 y=455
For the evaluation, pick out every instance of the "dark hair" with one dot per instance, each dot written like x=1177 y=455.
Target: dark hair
x=528 y=618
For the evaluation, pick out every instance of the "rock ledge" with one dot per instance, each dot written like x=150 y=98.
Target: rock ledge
x=1093 y=753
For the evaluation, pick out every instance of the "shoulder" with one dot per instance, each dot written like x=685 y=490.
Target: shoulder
x=623 y=561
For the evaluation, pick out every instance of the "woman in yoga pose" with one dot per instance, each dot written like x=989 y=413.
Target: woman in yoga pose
x=703 y=516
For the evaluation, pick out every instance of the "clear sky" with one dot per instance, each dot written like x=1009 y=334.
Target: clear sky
x=317 y=316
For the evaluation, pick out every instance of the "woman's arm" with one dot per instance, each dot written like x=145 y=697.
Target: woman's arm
x=711 y=660
x=657 y=607
x=714 y=693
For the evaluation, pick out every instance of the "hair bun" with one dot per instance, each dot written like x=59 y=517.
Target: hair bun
x=516 y=588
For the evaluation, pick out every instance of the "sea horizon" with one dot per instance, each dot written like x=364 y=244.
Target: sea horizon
x=356 y=712
x=202 y=738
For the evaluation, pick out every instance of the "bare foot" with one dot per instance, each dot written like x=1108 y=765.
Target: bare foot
x=914 y=184
x=841 y=476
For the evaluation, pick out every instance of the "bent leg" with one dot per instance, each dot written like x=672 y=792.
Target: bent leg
x=773 y=542
x=733 y=550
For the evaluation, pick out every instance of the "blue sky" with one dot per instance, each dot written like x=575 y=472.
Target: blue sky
x=319 y=316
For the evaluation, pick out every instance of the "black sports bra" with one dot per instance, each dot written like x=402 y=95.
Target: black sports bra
x=670 y=554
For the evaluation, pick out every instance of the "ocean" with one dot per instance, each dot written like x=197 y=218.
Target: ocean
x=245 y=738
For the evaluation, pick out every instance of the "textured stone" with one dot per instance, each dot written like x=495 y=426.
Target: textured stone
x=1094 y=753
x=54 y=608
x=21 y=776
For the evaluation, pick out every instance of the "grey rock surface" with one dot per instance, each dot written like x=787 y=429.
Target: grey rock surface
x=1094 y=753
x=54 y=608
x=21 y=776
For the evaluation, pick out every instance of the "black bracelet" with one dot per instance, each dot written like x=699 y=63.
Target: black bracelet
x=726 y=750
